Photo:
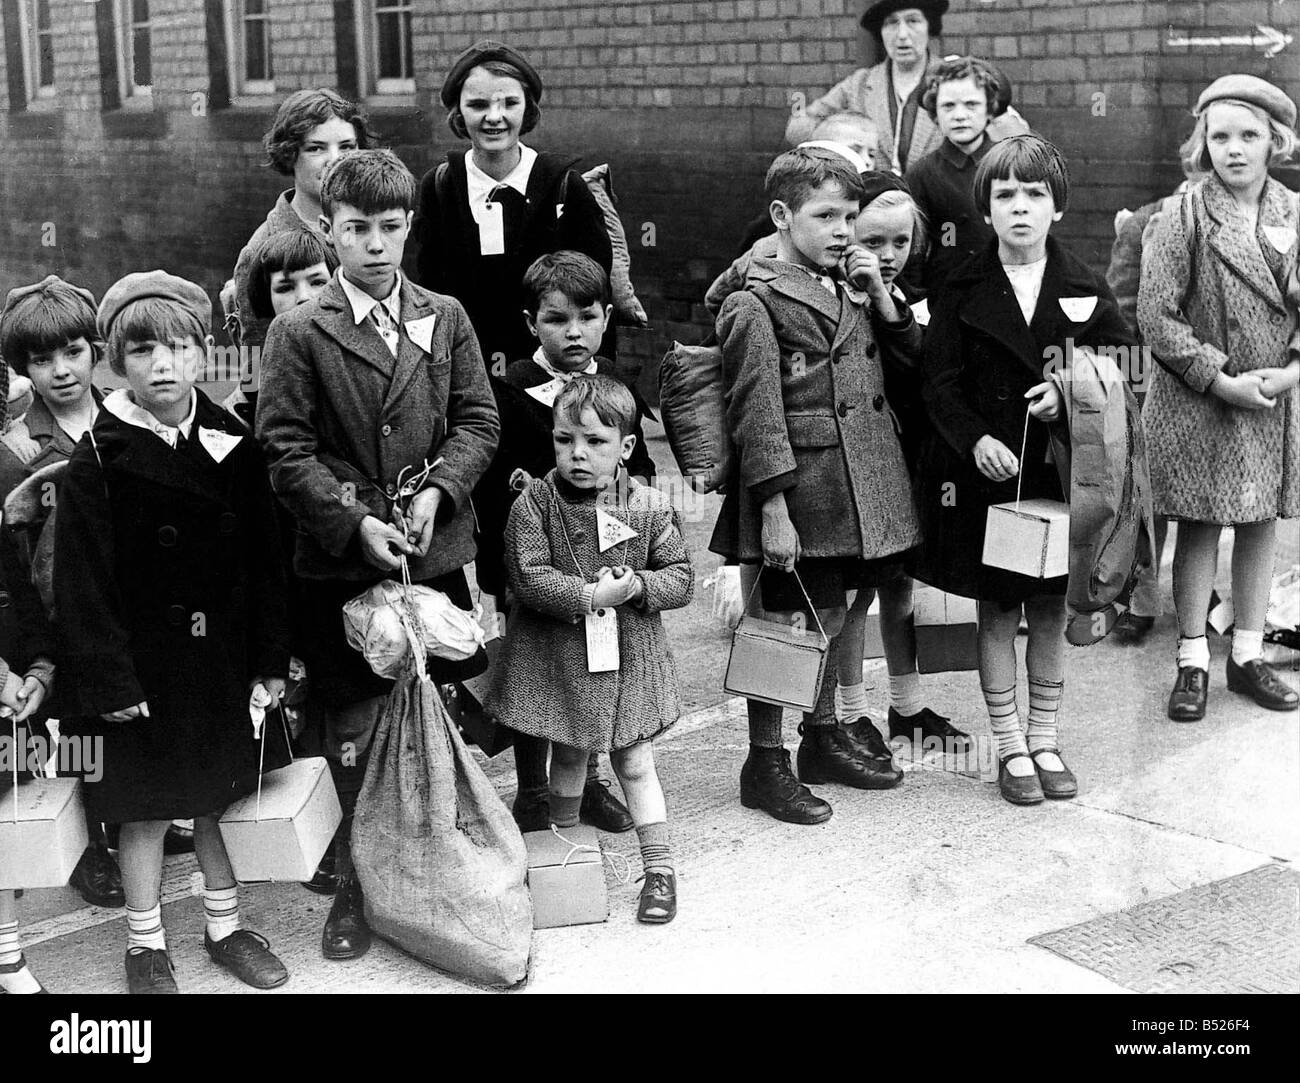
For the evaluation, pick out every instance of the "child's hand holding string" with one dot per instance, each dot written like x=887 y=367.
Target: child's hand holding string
x=420 y=517
x=1046 y=401
x=383 y=544
x=32 y=695
x=127 y=714
x=994 y=459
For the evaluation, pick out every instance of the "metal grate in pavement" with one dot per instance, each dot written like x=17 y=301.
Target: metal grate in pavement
x=1239 y=935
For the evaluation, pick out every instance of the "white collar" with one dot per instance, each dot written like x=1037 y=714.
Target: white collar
x=362 y=303
x=122 y=405
x=539 y=359
x=479 y=184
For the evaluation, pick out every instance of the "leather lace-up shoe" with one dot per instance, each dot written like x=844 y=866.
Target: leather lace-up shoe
x=828 y=754
x=658 y=903
x=532 y=809
x=247 y=955
x=1133 y=630
x=1260 y=681
x=1187 y=700
x=768 y=783
x=931 y=725
x=346 y=934
x=150 y=971
x=97 y=879
x=325 y=881
x=864 y=732
x=602 y=809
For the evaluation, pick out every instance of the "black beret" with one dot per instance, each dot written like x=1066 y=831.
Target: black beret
x=479 y=53
x=878 y=12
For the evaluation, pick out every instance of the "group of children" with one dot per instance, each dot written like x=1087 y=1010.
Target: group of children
x=869 y=448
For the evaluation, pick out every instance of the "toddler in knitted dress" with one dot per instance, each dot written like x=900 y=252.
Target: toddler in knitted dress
x=593 y=556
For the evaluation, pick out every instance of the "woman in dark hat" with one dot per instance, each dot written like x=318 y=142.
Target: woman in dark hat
x=483 y=216
x=890 y=92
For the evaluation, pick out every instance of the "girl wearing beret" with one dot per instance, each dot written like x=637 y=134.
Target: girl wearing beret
x=483 y=217
x=1217 y=306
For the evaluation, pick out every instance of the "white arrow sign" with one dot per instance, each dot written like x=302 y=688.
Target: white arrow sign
x=1270 y=40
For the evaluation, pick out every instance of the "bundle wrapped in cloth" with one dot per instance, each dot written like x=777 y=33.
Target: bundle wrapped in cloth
x=373 y=622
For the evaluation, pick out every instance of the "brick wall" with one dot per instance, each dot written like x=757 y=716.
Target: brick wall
x=687 y=101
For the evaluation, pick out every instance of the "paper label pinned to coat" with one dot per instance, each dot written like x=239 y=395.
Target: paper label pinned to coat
x=546 y=393
x=491 y=230
x=421 y=332
x=611 y=531
x=1078 y=309
x=217 y=444
x=1280 y=237
x=602 y=641
x=921 y=312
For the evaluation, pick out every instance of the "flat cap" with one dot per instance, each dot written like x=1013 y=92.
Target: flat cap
x=479 y=53
x=143 y=284
x=43 y=286
x=877 y=13
x=1252 y=89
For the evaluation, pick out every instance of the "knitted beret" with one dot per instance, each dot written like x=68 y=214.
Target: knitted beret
x=1252 y=89
x=19 y=292
x=873 y=18
x=480 y=53
x=160 y=284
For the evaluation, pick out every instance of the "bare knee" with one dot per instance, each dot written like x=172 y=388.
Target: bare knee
x=569 y=757
x=634 y=764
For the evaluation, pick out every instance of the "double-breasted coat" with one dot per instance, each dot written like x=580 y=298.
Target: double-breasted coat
x=169 y=589
x=1217 y=302
x=805 y=389
x=980 y=359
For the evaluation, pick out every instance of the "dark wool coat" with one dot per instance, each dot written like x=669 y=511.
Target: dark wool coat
x=942 y=184
x=980 y=359
x=526 y=444
x=1221 y=307
x=541 y=684
x=170 y=588
x=490 y=287
x=26 y=647
x=340 y=418
x=806 y=407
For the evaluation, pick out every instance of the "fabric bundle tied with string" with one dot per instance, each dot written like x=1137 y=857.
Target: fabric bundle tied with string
x=1030 y=537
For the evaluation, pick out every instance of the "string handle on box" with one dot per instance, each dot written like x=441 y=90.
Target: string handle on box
x=614 y=858
x=812 y=608
x=261 y=755
x=1020 y=475
x=13 y=723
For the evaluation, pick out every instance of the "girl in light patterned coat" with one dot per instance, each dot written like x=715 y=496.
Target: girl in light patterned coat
x=593 y=557
x=1217 y=306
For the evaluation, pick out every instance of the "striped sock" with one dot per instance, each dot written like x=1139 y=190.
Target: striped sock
x=221 y=911
x=144 y=928
x=656 y=851
x=564 y=810
x=1044 y=702
x=15 y=977
x=10 y=950
x=850 y=701
x=1004 y=721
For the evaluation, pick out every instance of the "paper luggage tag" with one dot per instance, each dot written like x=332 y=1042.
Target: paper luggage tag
x=217 y=444
x=602 y=641
x=547 y=392
x=559 y=210
x=491 y=230
x=921 y=312
x=1280 y=237
x=421 y=332
x=1078 y=309
x=611 y=531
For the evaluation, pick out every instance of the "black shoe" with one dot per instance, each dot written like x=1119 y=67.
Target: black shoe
x=1187 y=700
x=150 y=971
x=346 y=934
x=325 y=881
x=930 y=725
x=658 y=904
x=1260 y=681
x=247 y=955
x=1055 y=784
x=1019 y=789
x=864 y=732
x=1132 y=630
x=828 y=754
x=532 y=809
x=602 y=809
x=13 y=968
x=767 y=783
x=97 y=878
x=178 y=840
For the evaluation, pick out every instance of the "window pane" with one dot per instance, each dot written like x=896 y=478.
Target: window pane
x=255 y=7
x=139 y=11
x=141 y=57
x=42 y=15
x=257 y=55
x=394 y=40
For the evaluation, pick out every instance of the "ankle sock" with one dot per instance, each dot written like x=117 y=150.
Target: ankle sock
x=10 y=950
x=1044 y=703
x=850 y=701
x=19 y=980
x=905 y=694
x=144 y=928
x=1004 y=722
x=1195 y=651
x=1246 y=646
x=656 y=849
x=221 y=911
x=564 y=810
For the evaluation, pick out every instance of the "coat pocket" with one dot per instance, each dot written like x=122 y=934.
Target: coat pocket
x=812 y=430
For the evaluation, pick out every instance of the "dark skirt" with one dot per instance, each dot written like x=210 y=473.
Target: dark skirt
x=827 y=581
x=337 y=673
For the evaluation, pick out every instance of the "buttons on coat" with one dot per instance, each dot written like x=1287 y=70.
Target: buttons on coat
x=1002 y=392
x=177 y=614
x=871 y=349
x=843 y=409
x=6 y=599
x=1233 y=325
x=227 y=523
x=167 y=536
x=390 y=489
x=878 y=402
x=387 y=430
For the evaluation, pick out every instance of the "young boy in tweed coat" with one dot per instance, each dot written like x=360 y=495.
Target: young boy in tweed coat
x=822 y=497
x=589 y=549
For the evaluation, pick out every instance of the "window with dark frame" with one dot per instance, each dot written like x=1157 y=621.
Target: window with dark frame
x=136 y=25
x=393 y=52
x=256 y=38
x=43 y=34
